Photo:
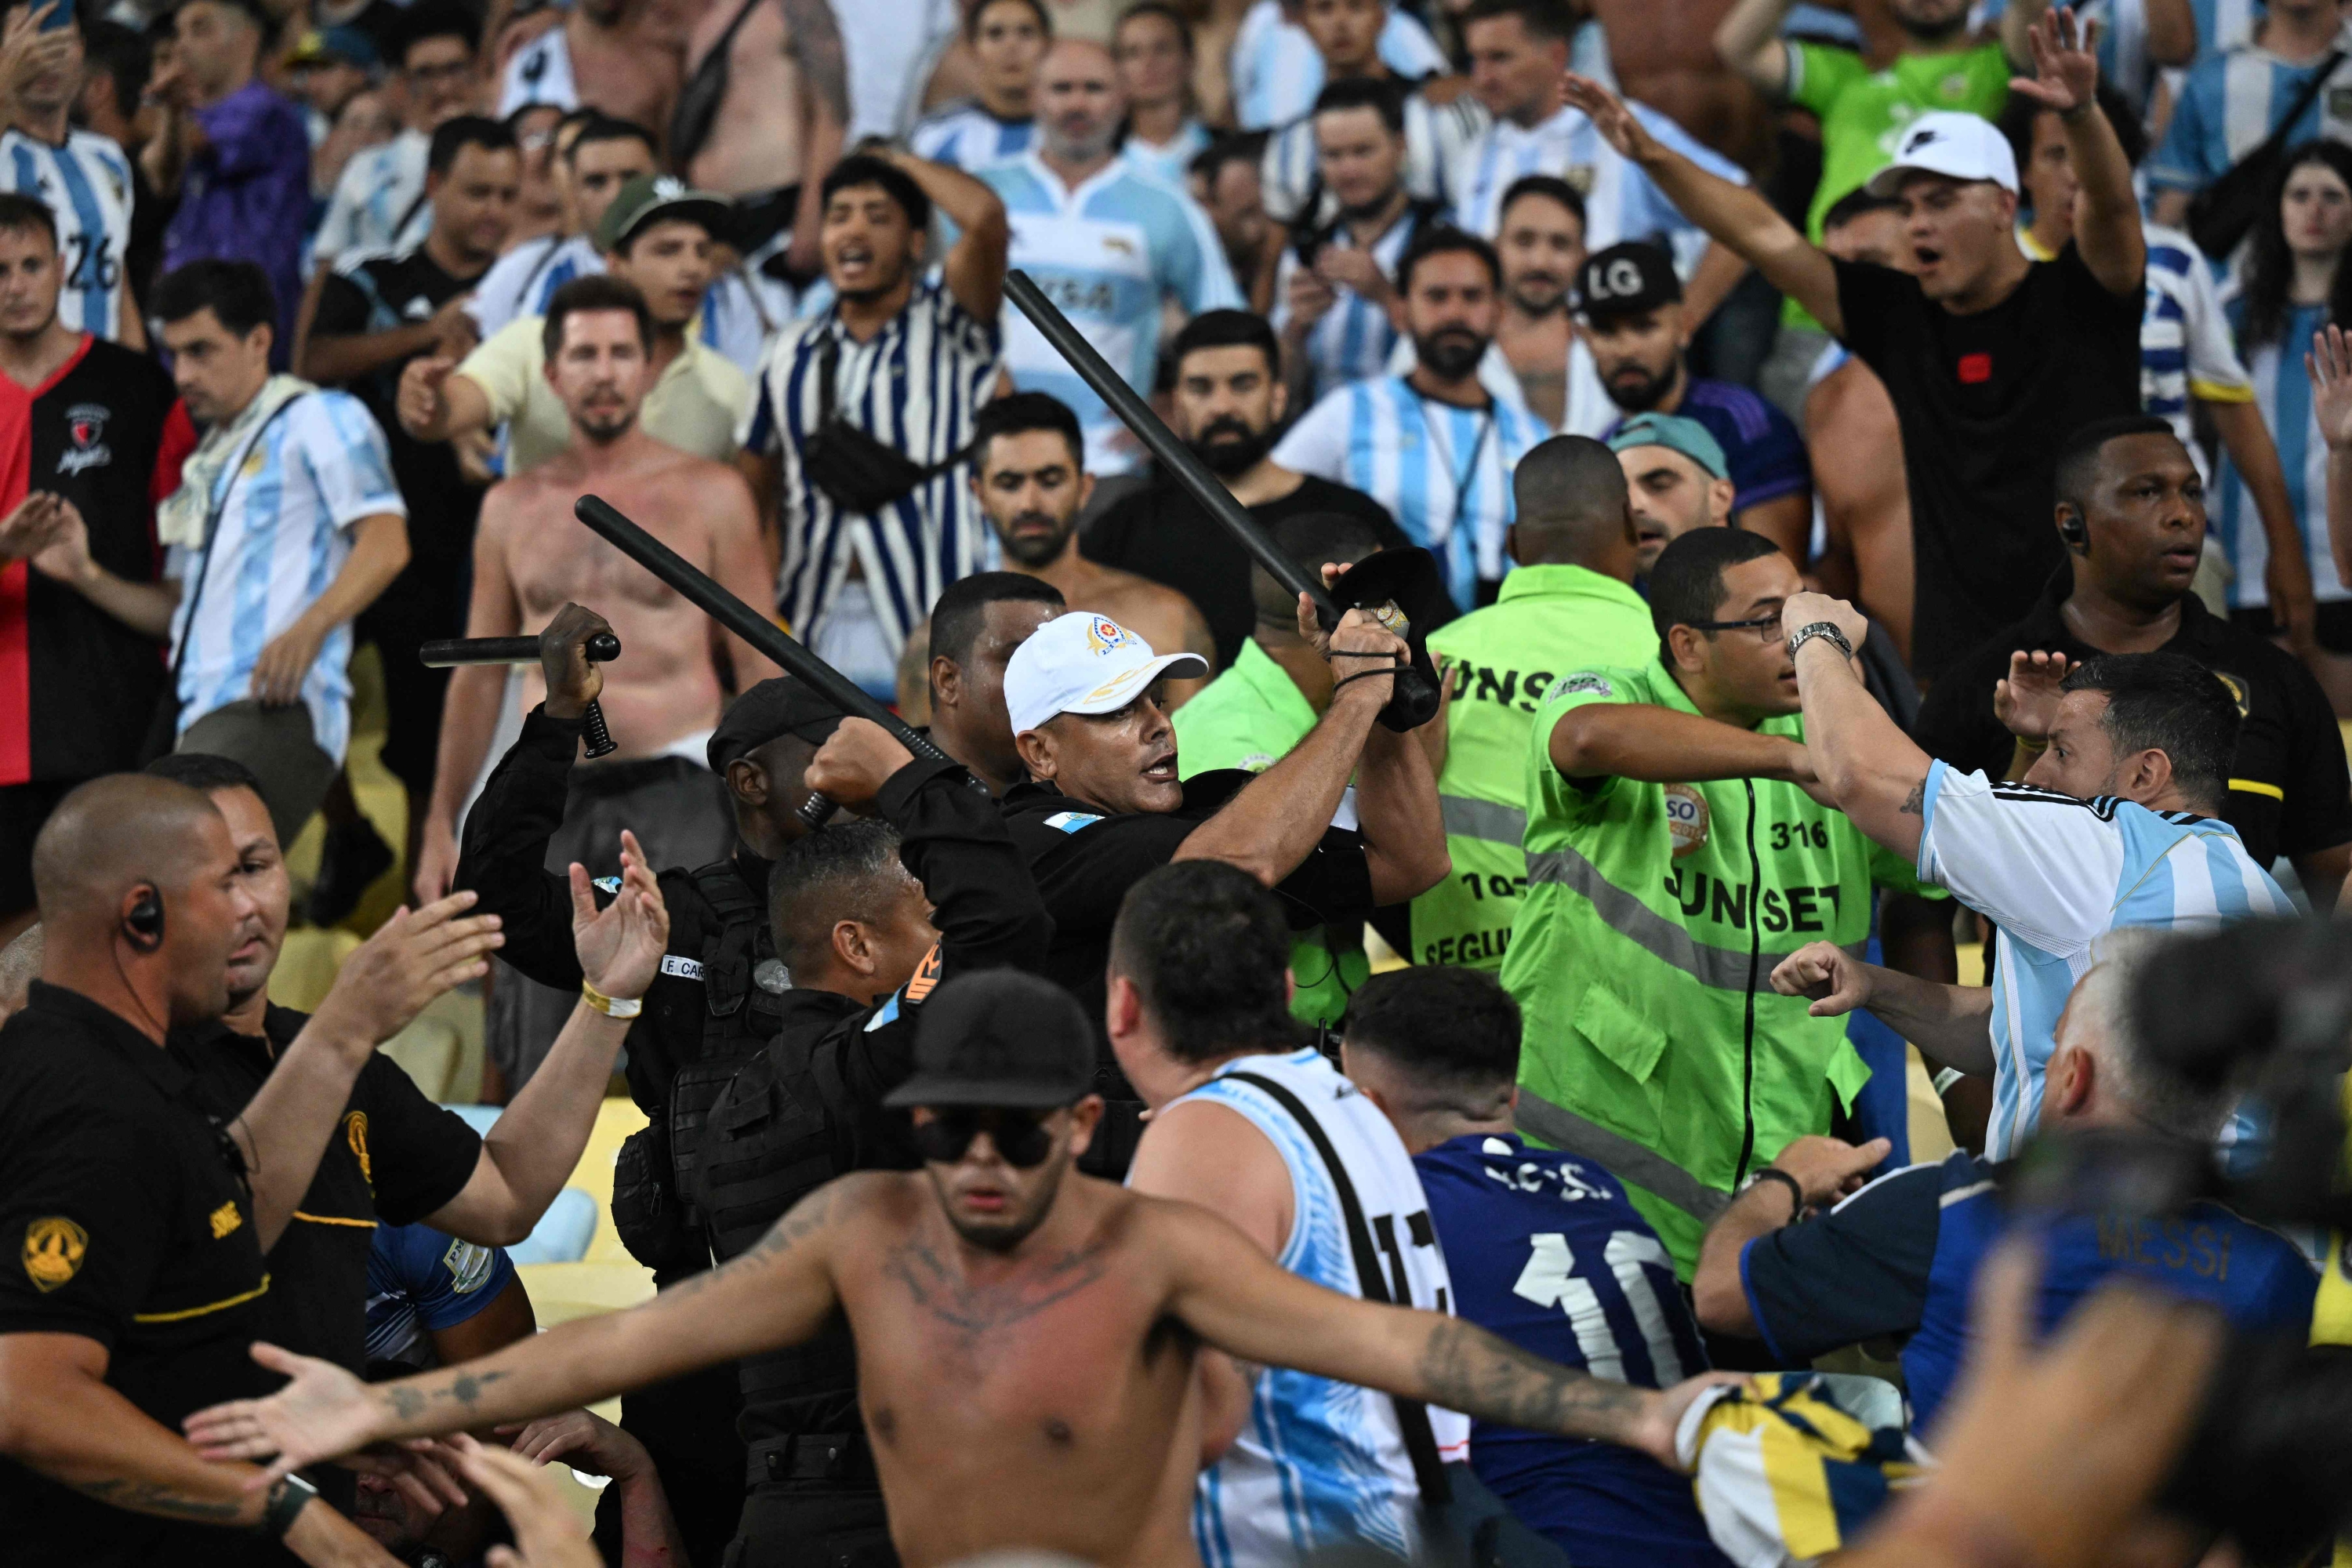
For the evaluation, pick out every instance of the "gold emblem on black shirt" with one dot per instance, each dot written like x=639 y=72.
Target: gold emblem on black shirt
x=54 y=1248
x=225 y=1219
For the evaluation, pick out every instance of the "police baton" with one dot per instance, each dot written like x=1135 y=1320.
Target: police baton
x=1413 y=699
x=602 y=649
x=768 y=639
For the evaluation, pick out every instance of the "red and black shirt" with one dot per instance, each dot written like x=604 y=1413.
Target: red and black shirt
x=78 y=688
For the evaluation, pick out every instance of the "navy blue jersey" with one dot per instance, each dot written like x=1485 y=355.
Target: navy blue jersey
x=1900 y=1257
x=1546 y=1250
x=420 y=1279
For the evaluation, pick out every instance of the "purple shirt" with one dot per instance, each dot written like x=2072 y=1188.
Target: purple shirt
x=247 y=196
x=1767 y=455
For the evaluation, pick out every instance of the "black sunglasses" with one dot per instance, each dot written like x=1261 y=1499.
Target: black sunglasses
x=1022 y=1137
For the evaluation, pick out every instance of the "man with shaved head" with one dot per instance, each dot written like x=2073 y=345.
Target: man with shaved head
x=1108 y=245
x=1570 y=605
x=136 y=1239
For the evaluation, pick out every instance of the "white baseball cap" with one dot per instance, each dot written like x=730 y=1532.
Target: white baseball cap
x=1084 y=663
x=1954 y=143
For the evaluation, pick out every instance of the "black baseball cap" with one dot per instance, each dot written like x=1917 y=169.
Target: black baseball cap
x=1001 y=1041
x=1627 y=278
x=780 y=706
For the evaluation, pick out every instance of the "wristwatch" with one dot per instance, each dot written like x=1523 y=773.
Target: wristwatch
x=287 y=1500
x=1769 y=1174
x=1826 y=630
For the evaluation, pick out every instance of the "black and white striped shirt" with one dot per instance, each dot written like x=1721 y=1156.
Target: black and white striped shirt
x=915 y=387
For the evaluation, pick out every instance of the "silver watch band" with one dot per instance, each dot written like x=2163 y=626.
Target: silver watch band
x=1826 y=630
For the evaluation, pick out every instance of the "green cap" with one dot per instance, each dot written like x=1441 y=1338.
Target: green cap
x=1672 y=431
x=649 y=197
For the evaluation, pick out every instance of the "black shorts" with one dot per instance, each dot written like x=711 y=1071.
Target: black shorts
x=22 y=808
x=2332 y=623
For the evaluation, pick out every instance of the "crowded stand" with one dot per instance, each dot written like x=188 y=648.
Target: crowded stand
x=1175 y=784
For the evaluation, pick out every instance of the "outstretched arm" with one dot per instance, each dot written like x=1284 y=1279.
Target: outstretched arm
x=1241 y=1302
x=1748 y=40
x=1952 y=1024
x=779 y=1293
x=1657 y=746
x=2106 y=215
x=1869 y=769
x=1738 y=219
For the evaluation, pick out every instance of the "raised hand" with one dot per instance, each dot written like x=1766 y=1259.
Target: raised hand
x=1610 y=117
x=854 y=763
x=414 y=957
x=1802 y=610
x=2329 y=365
x=620 y=945
x=2026 y=703
x=1836 y=981
x=573 y=682
x=2066 y=66
x=323 y=1412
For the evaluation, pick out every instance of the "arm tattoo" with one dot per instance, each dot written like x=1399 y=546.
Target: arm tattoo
x=815 y=41
x=800 y=1220
x=1915 y=803
x=411 y=1399
x=145 y=1497
x=1467 y=1368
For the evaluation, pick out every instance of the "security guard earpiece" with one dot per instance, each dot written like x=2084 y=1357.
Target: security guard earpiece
x=2077 y=537
x=144 y=924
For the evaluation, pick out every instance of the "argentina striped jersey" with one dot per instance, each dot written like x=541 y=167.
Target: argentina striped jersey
x=379 y=203
x=914 y=386
x=1443 y=471
x=2226 y=109
x=1319 y=1463
x=2282 y=392
x=1620 y=201
x=285 y=516
x=2055 y=873
x=87 y=184
x=966 y=136
x=520 y=282
x=1436 y=136
x=1277 y=72
x=1353 y=338
x=1109 y=253
x=1170 y=161
x=2185 y=344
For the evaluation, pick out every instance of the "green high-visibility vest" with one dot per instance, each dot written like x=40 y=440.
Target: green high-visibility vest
x=1499 y=662
x=1653 y=919
x=1249 y=717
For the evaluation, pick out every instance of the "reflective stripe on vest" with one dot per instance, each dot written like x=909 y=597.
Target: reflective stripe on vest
x=1726 y=969
x=1467 y=818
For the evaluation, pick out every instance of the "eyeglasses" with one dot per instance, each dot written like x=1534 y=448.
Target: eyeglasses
x=1768 y=628
x=1022 y=1137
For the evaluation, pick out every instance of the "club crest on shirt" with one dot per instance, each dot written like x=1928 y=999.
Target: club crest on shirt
x=1686 y=818
x=2237 y=689
x=1103 y=634
x=469 y=1266
x=225 y=1219
x=1580 y=176
x=85 y=439
x=54 y=1248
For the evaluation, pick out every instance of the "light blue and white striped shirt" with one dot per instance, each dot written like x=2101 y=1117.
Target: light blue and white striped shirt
x=1277 y=72
x=1621 y=202
x=319 y=468
x=2282 y=392
x=1443 y=471
x=914 y=386
x=2186 y=347
x=1171 y=161
x=2230 y=104
x=1435 y=137
x=1321 y=1464
x=1109 y=253
x=1355 y=336
x=379 y=203
x=87 y=184
x=966 y=136
x=2055 y=873
x=520 y=282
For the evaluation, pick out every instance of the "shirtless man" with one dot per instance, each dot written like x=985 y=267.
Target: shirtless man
x=777 y=128
x=1541 y=245
x=662 y=697
x=1029 y=474
x=624 y=57
x=1663 y=54
x=1026 y=1335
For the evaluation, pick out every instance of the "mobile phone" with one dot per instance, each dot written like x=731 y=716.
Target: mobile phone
x=59 y=15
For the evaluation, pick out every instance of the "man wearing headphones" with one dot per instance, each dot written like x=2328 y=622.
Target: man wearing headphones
x=2131 y=515
x=131 y=1273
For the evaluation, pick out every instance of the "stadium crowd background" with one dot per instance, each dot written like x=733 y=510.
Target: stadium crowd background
x=1887 y=474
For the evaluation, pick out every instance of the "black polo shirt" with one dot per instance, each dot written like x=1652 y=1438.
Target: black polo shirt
x=1085 y=860
x=394 y=1156
x=126 y=1220
x=2289 y=791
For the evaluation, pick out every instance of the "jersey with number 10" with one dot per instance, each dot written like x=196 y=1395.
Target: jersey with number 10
x=1546 y=1250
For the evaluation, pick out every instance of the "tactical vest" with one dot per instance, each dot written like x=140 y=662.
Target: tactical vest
x=781 y=1127
x=654 y=1209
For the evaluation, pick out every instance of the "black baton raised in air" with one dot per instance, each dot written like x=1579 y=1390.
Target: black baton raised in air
x=602 y=649
x=1413 y=699
x=768 y=639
